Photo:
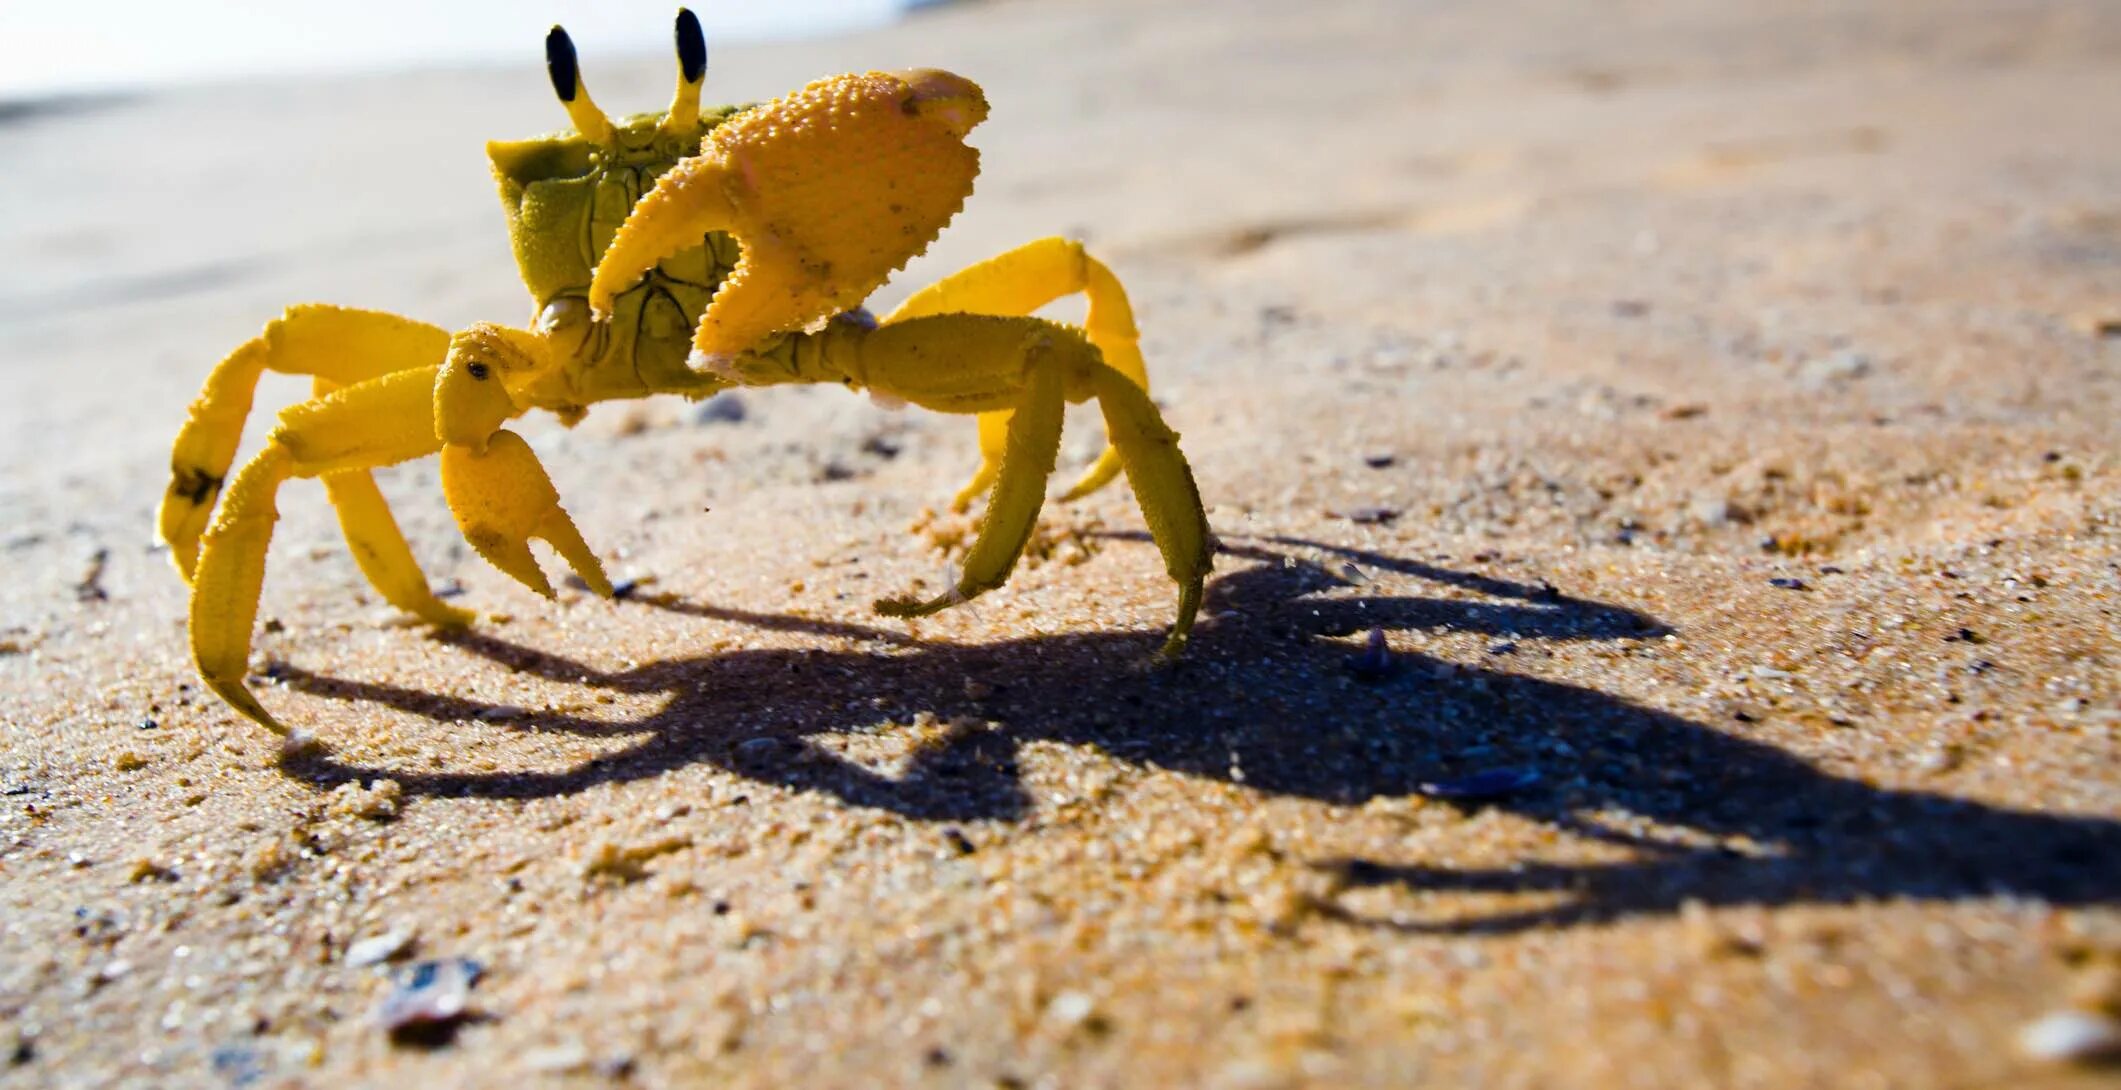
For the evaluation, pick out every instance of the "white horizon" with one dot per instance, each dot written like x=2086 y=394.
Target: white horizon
x=115 y=46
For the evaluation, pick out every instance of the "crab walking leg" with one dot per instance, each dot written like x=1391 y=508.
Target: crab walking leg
x=337 y=344
x=1033 y=444
x=379 y=548
x=1163 y=485
x=993 y=443
x=1019 y=282
x=375 y=423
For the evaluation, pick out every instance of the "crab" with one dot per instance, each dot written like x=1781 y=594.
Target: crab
x=684 y=252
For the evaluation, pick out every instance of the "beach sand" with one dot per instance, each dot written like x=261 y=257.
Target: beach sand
x=1712 y=407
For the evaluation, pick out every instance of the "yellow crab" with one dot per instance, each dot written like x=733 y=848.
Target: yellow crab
x=682 y=252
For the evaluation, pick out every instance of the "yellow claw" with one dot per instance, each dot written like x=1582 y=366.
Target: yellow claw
x=502 y=498
x=795 y=182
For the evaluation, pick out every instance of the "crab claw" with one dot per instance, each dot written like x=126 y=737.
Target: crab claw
x=828 y=191
x=502 y=498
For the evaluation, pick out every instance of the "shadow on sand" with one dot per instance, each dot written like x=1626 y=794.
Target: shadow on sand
x=1248 y=696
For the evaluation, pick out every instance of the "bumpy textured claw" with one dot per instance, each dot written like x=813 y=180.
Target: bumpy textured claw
x=502 y=499
x=796 y=183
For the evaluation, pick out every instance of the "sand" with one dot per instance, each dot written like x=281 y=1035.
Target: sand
x=1711 y=407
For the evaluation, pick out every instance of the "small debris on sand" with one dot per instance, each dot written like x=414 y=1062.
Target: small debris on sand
x=89 y=588
x=624 y=864
x=2071 y=1036
x=726 y=408
x=376 y=949
x=428 y=1001
x=376 y=802
x=1368 y=516
x=1374 y=661
x=1494 y=783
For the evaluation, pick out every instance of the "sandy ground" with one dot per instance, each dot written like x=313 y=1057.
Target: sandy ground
x=1712 y=406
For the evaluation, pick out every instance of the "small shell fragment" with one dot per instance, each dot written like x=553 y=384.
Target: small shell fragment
x=431 y=996
x=2071 y=1036
x=380 y=948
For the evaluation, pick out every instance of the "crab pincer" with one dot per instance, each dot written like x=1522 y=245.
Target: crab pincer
x=827 y=191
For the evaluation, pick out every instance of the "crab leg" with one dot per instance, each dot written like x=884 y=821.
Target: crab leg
x=1028 y=454
x=1163 y=486
x=1019 y=282
x=379 y=422
x=339 y=347
x=976 y=363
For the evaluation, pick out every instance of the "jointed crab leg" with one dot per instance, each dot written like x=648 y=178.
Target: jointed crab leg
x=1028 y=454
x=374 y=423
x=1017 y=283
x=973 y=363
x=340 y=347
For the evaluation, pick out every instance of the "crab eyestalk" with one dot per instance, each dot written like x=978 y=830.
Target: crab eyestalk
x=566 y=74
x=684 y=115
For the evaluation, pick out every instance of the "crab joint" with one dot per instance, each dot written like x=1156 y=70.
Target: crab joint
x=684 y=115
x=471 y=392
x=566 y=72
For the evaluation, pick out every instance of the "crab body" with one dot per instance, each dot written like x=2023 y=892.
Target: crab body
x=566 y=198
x=682 y=252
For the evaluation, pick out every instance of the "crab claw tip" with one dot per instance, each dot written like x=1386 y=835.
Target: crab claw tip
x=719 y=364
x=951 y=99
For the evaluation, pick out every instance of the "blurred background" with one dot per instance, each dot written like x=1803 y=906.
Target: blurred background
x=50 y=49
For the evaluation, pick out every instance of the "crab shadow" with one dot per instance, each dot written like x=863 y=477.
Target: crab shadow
x=1266 y=695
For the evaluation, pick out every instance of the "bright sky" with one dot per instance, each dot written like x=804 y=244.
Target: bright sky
x=75 y=45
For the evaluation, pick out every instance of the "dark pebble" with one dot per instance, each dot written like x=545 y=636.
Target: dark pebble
x=1786 y=583
x=1379 y=460
x=1495 y=783
x=429 y=1001
x=1374 y=661
x=239 y=1064
x=725 y=408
